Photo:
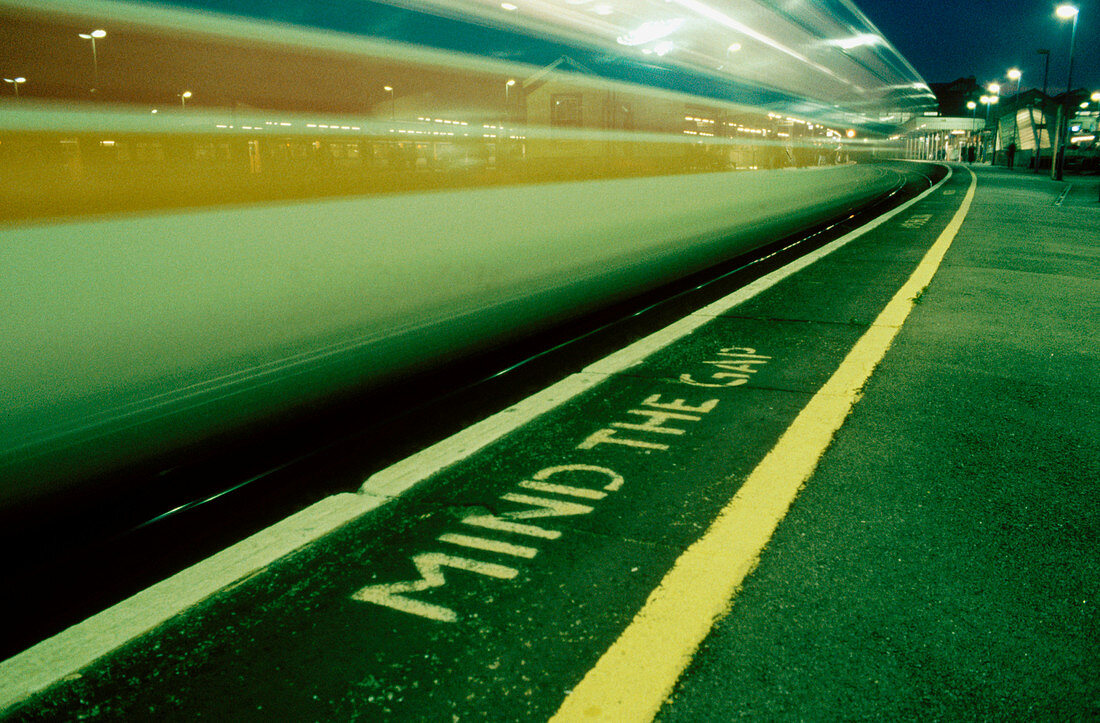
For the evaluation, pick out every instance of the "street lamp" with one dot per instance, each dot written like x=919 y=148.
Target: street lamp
x=1015 y=74
x=93 y=36
x=1065 y=12
x=393 y=102
x=988 y=100
x=971 y=106
x=15 y=82
x=183 y=98
x=993 y=99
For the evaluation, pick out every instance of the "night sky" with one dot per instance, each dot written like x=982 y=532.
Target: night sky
x=949 y=39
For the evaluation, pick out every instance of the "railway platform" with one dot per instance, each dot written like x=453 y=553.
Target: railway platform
x=863 y=486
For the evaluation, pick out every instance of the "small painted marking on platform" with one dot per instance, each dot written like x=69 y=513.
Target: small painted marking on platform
x=917 y=220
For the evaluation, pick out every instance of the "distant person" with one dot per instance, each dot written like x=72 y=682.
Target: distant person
x=1011 y=152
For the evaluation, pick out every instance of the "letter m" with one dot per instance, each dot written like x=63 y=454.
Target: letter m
x=430 y=566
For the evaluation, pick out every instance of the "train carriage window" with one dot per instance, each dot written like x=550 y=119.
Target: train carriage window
x=565 y=109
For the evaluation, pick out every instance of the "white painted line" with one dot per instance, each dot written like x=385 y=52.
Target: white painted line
x=38 y=667
x=67 y=652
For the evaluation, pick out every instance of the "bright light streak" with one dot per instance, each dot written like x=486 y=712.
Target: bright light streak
x=721 y=18
x=856 y=41
x=648 y=32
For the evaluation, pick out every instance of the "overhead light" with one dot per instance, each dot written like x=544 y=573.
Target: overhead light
x=1066 y=12
x=509 y=6
x=733 y=48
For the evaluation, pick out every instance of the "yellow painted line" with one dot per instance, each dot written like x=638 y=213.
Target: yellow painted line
x=637 y=673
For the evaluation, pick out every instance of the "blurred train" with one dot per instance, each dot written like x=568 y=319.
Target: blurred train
x=218 y=215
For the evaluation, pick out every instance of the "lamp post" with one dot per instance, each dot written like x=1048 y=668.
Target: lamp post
x=994 y=98
x=183 y=98
x=15 y=83
x=1065 y=12
x=987 y=100
x=1046 y=66
x=93 y=36
x=393 y=102
x=1015 y=74
x=971 y=106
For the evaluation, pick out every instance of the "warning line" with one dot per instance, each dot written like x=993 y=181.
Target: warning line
x=633 y=678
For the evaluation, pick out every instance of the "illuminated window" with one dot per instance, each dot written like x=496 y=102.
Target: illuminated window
x=565 y=109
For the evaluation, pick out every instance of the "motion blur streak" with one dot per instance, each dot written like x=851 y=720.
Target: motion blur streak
x=214 y=215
